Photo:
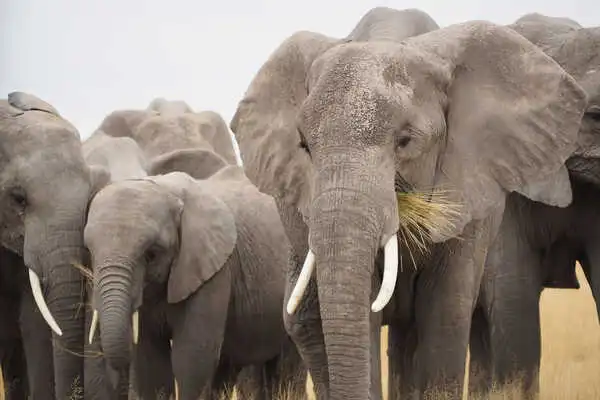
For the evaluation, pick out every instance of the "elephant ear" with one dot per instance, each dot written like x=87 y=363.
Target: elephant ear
x=264 y=124
x=207 y=238
x=198 y=163
x=513 y=115
x=28 y=102
x=124 y=122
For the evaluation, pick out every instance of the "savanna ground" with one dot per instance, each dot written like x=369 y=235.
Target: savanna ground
x=571 y=347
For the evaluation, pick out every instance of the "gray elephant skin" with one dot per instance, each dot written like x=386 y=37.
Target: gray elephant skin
x=45 y=186
x=200 y=260
x=538 y=245
x=332 y=129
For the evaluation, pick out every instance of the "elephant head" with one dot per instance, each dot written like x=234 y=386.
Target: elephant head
x=45 y=186
x=171 y=125
x=334 y=128
x=383 y=23
x=120 y=156
x=173 y=234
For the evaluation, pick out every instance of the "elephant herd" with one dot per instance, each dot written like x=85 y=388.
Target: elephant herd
x=434 y=180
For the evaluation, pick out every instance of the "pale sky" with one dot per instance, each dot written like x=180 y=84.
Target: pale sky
x=88 y=58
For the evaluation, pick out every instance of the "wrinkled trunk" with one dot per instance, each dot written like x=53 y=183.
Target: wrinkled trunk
x=65 y=298
x=347 y=224
x=114 y=285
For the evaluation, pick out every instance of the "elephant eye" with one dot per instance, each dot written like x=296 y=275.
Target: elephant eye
x=303 y=143
x=403 y=141
x=150 y=255
x=19 y=198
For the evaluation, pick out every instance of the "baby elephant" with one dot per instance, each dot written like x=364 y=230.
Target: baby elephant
x=198 y=262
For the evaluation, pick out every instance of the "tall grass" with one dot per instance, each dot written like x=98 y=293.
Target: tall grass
x=570 y=347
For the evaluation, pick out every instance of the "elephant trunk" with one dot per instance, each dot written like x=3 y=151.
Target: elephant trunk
x=348 y=222
x=62 y=306
x=114 y=284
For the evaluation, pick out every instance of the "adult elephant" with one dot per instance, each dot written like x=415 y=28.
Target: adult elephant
x=212 y=277
x=45 y=186
x=334 y=129
x=538 y=245
x=167 y=126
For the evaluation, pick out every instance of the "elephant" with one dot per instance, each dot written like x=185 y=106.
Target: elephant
x=538 y=245
x=121 y=158
x=167 y=126
x=45 y=186
x=214 y=267
x=176 y=139
x=349 y=136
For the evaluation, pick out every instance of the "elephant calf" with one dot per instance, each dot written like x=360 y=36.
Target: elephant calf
x=198 y=262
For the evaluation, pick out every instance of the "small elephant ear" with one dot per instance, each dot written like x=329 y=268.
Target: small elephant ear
x=207 y=238
x=124 y=122
x=513 y=117
x=28 y=102
x=198 y=163
x=264 y=124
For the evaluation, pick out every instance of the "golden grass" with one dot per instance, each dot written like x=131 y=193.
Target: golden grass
x=570 y=342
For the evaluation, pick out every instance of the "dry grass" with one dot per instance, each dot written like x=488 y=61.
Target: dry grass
x=571 y=347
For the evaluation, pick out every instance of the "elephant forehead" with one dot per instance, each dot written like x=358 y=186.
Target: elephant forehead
x=139 y=200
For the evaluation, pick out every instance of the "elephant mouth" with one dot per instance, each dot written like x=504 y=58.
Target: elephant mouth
x=421 y=215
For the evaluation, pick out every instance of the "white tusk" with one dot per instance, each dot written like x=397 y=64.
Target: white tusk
x=36 y=289
x=93 y=327
x=135 y=324
x=390 y=273
x=301 y=283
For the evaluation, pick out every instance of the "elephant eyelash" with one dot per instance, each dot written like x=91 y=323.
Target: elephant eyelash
x=403 y=141
x=303 y=143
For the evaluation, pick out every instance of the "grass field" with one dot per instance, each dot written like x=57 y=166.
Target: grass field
x=571 y=346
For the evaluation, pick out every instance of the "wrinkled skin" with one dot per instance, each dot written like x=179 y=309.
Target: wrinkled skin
x=167 y=126
x=331 y=128
x=202 y=279
x=121 y=158
x=45 y=186
x=538 y=245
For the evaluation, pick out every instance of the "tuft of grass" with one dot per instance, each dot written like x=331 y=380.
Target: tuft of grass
x=423 y=214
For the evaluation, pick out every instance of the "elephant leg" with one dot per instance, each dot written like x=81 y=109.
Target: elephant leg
x=198 y=326
x=591 y=267
x=401 y=348
x=375 y=338
x=224 y=382
x=445 y=298
x=37 y=342
x=516 y=342
x=13 y=364
x=480 y=366
x=153 y=373
x=306 y=330
x=289 y=373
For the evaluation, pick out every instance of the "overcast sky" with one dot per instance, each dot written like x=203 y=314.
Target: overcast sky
x=88 y=58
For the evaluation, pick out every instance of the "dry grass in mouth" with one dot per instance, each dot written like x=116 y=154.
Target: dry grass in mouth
x=423 y=213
